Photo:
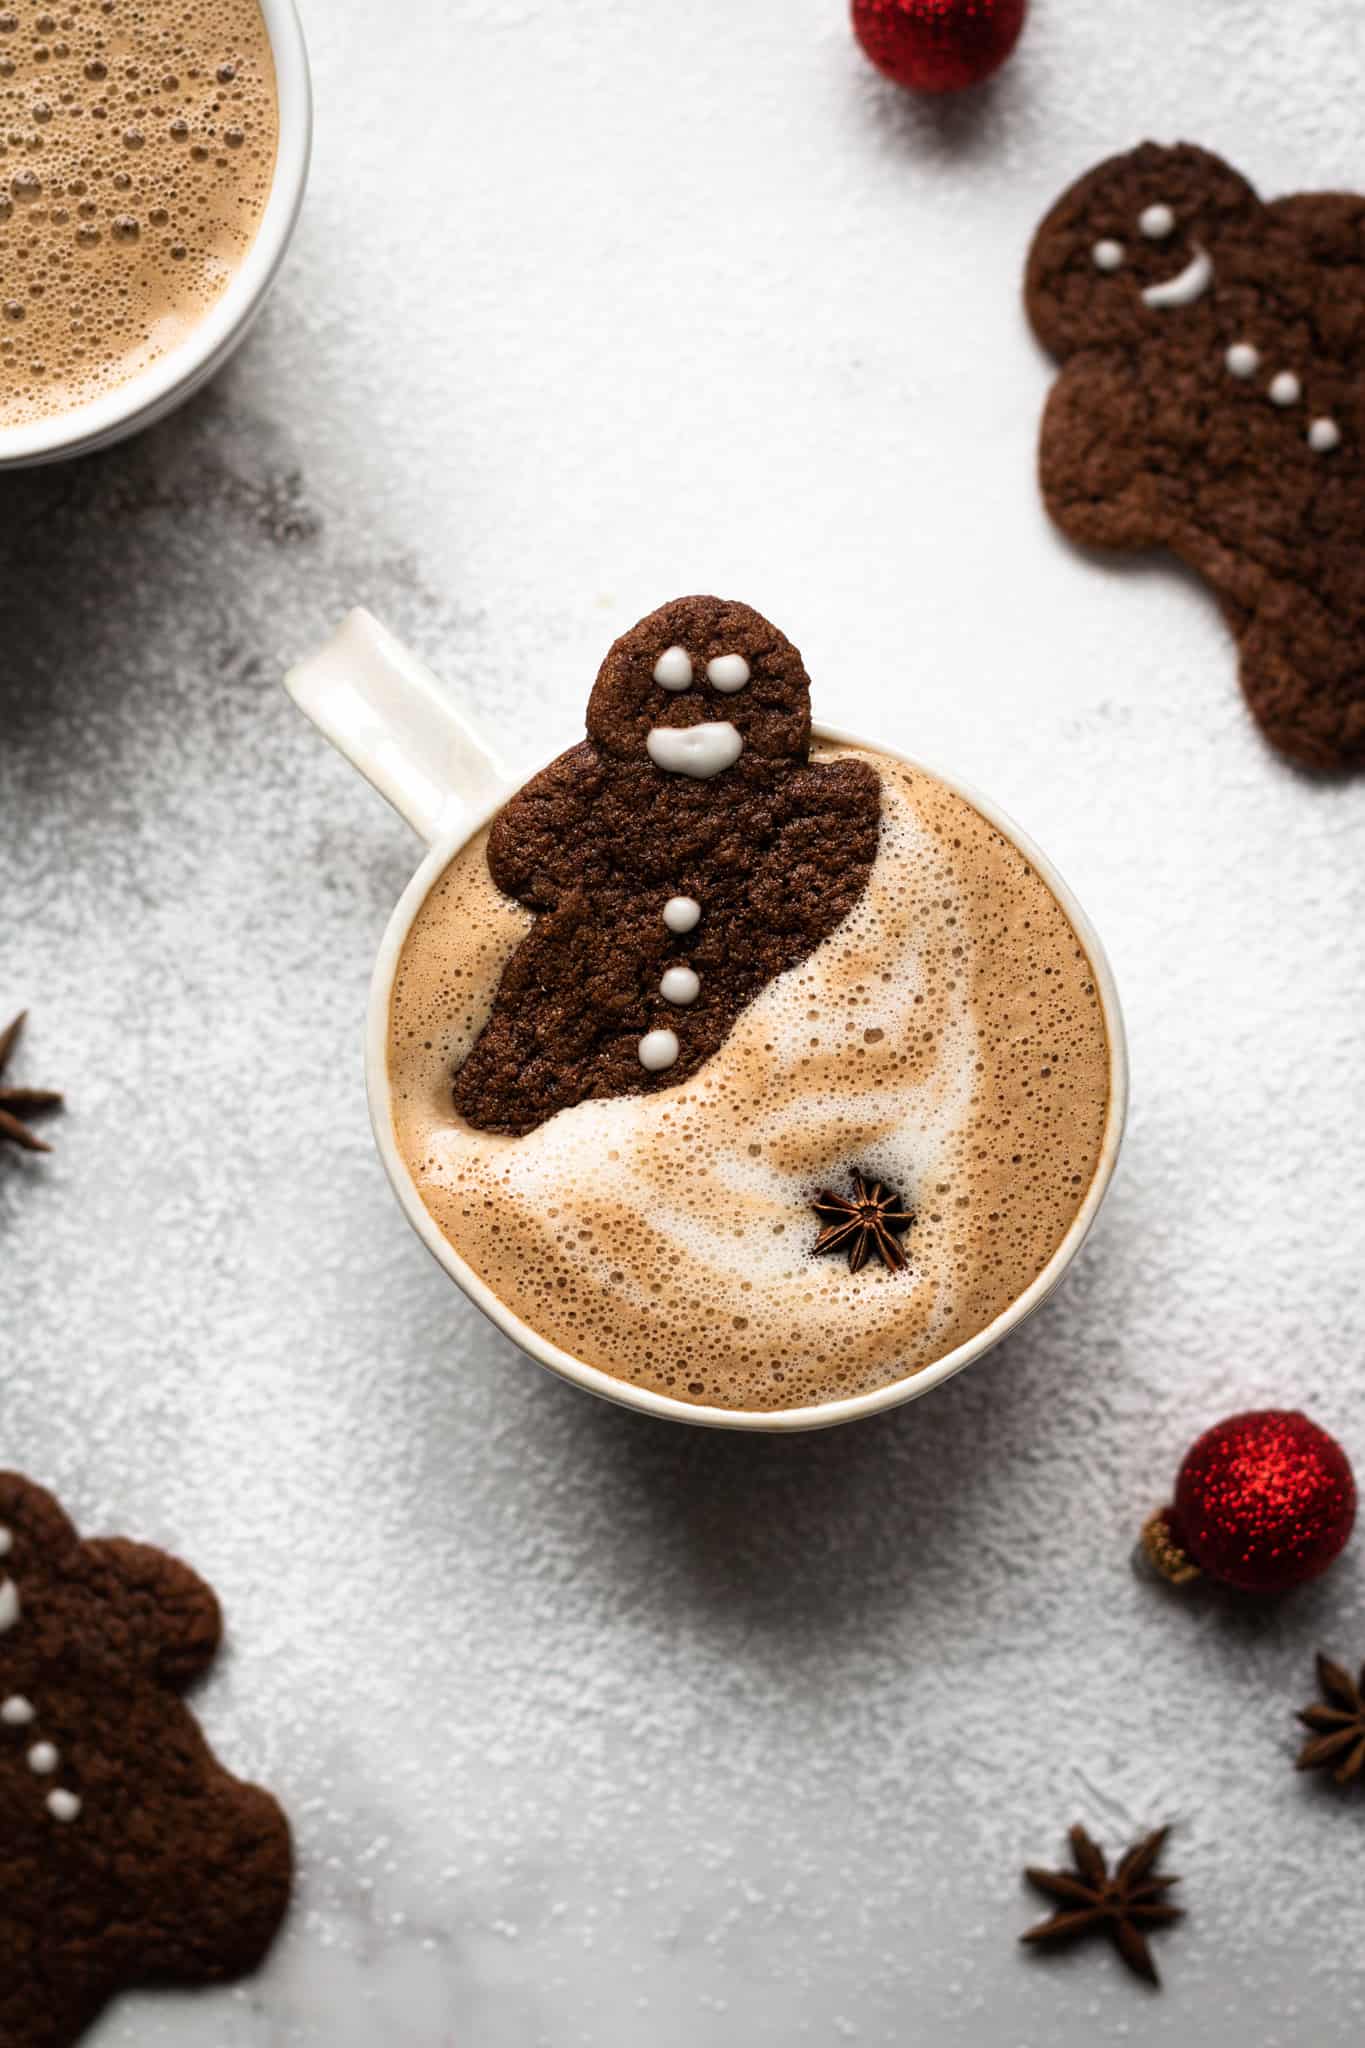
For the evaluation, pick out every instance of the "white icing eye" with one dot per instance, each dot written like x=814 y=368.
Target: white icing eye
x=682 y=913
x=1156 y=222
x=728 y=672
x=1107 y=255
x=1285 y=388
x=16 y=1712
x=680 y=985
x=1324 y=436
x=63 y=1805
x=657 y=1050
x=42 y=1758
x=1242 y=359
x=673 y=669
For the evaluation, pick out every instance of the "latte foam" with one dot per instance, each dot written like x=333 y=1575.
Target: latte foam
x=137 y=150
x=947 y=1038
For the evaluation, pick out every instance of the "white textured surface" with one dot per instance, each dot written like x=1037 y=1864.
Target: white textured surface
x=596 y=1731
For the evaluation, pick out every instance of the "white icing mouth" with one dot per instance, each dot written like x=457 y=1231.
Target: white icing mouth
x=1188 y=285
x=698 y=750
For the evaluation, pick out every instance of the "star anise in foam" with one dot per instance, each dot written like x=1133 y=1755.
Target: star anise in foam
x=1338 y=1724
x=17 y=1103
x=870 y=1220
x=1125 y=1906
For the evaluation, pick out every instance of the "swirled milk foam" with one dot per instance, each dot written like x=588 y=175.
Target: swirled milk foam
x=137 y=151
x=947 y=1038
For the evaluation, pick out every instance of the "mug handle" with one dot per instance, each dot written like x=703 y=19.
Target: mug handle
x=385 y=711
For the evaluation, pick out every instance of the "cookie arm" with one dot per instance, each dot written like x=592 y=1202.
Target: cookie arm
x=824 y=847
x=33 y=1521
x=535 y=840
x=1331 y=223
x=1093 y=459
x=1329 y=228
x=172 y=1616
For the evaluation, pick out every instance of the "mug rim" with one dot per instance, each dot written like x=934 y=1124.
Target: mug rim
x=172 y=377
x=813 y=1415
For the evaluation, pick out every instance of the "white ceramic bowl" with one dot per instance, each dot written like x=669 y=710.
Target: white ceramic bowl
x=388 y=715
x=167 y=382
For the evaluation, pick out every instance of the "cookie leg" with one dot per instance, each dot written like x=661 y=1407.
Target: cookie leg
x=36 y=2012
x=1304 y=677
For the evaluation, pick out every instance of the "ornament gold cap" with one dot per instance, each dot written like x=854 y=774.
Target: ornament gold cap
x=1163 y=1553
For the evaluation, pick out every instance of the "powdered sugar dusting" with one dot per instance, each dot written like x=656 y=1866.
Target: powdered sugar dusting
x=597 y=1733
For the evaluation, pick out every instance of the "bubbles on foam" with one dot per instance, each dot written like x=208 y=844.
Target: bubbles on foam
x=947 y=1038
x=133 y=177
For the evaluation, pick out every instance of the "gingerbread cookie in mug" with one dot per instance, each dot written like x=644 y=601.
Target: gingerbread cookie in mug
x=677 y=861
x=749 y=1065
x=1209 y=402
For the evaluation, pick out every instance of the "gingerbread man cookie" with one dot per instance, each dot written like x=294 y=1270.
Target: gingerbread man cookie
x=131 y=1856
x=677 y=861
x=1210 y=402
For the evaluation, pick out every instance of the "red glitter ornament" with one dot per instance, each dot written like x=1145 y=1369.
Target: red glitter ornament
x=1263 y=1502
x=938 y=45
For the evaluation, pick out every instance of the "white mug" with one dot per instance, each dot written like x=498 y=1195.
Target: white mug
x=168 y=381
x=385 y=711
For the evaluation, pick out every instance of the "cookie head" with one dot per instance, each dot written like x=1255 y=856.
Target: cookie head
x=699 y=685
x=1133 y=244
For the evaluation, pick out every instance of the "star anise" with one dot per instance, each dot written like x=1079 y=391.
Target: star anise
x=1125 y=1906
x=17 y=1103
x=1338 y=1721
x=869 y=1220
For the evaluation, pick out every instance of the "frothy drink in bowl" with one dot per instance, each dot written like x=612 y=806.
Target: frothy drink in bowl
x=138 y=152
x=752 y=1070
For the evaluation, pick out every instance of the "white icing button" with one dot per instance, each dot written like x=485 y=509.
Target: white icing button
x=16 y=1711
x=1156 y=222
x=679 y=985
x=43 y=1759
x=658 y=1049
x=1107 y=255
x=1324 y=436
x=728 y=672
x=9 y=1604
x=1285 y=388
x=673 y=669
x=63 y=1805
x=6 y=1540
x=698 y=750
x=1242 y=359
x=682 y=913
